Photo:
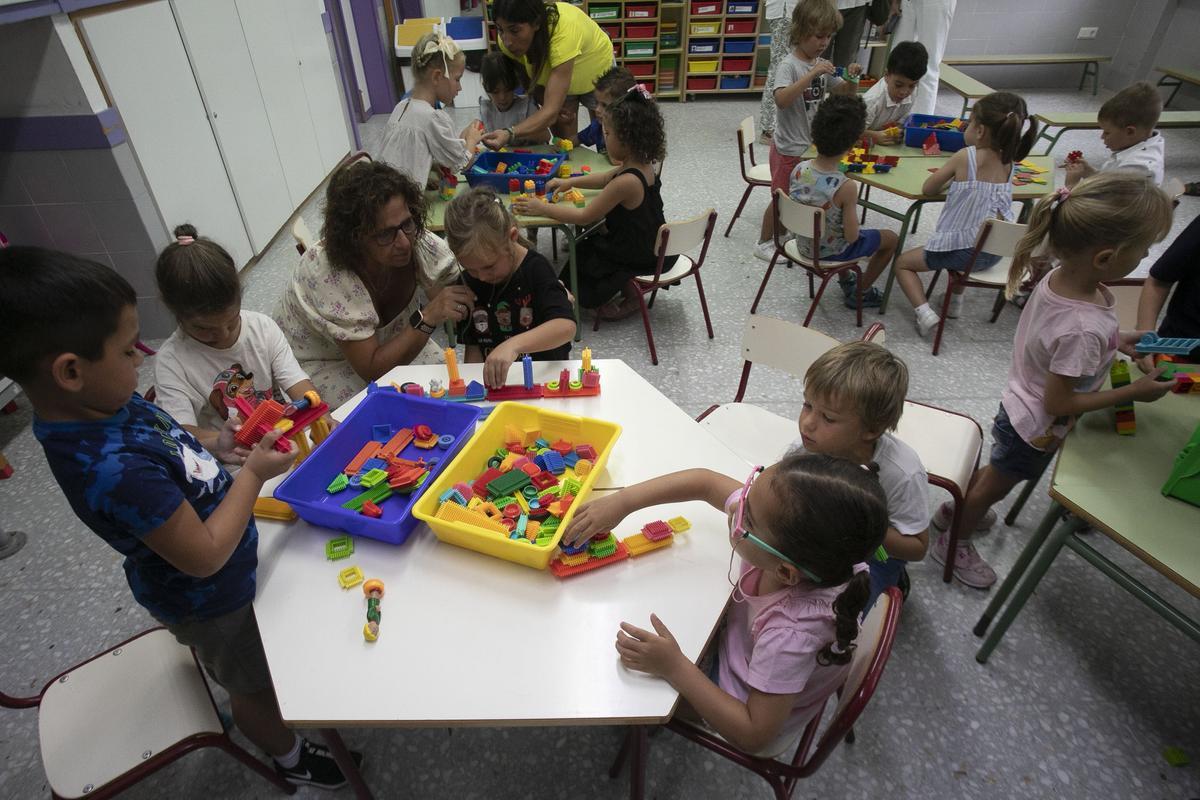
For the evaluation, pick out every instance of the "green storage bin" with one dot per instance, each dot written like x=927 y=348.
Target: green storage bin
x=605 y=12
x=639 y=49
x=668 y=63
x=1184 y=483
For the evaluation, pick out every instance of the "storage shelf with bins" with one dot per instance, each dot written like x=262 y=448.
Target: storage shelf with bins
x=722 y=46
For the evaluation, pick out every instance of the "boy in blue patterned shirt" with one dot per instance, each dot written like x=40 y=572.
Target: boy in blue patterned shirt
x=145 y=485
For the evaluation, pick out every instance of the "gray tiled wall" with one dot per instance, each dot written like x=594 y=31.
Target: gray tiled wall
x=93 y=203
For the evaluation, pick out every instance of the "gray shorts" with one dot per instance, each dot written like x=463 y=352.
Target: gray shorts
x=230 y=649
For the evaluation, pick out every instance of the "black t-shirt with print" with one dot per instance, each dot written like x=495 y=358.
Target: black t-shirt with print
x=1180 y=265
x=530 y=297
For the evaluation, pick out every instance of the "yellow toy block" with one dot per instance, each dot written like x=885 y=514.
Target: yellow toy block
x=489 y=509
x=531 y=530
x=576 y=559
x=453 y=512
x=350 y=577
x=583 y=467
x=1032 y=167
x=522 y=503
x=427 y=444
x=869 y=169
x=270 y=508
x=638 y=544
x=679 y=524
x=509 y=460
x=513 y=434
x=529 y=436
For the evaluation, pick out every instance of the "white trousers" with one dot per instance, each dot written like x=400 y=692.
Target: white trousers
x=928 y=22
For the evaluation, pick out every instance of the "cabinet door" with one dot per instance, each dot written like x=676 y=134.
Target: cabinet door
x=212 y=34
x=264 y=23
x=140 y=57
x=318 y=74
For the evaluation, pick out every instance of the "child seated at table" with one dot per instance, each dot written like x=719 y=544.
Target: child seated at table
x=501 y=107
x=837 y=127
x=630 y=203
x=802 y=529
x=1127 y=121
x=608 y=87
x=980 y=188
x=419 y=134
x=890 y=101
x=853 y=399
x=1174 y=268
x=1065 y=342
x=520 y=305
x=145 y=485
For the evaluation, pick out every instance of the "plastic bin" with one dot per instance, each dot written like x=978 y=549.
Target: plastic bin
x=749 y=7
x=499 y=180
x=640 y=49
x=668 y=63
x=611 y=31
x=701 y=84
x=304 y=489
x=641 y=30
x=702 y=65
x=641 y=69
x=739 y=64
x=669 y=41
x=704 y=45
x=739 y=45
x=605 y=12
x=641 y=11
x=735 y=81
x=472 y=460
x=706 y=8
x=740 y=27
x=704 y=28
x=915 y=136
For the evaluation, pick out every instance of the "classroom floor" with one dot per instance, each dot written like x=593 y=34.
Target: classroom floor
x=1078 y=701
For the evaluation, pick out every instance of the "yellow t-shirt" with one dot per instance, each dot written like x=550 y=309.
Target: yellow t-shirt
x=576 y=36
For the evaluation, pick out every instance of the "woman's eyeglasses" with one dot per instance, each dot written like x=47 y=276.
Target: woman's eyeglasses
x=385 y=237
x=738 y=532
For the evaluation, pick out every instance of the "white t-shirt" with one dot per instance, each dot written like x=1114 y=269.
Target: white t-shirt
x=904 y=481
x=186 y=372
x=882 y=110
x=419 y=137
x=1147 y=155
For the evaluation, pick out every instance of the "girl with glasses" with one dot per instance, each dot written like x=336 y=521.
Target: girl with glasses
x=801 y=529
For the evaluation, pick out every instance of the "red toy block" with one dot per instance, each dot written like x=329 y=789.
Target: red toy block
x=515 y=391
x=931 y=147
x=1074 y=156
x=586 y=451
x=369 y=450
x=561 y=447
x=369 y=509
x=6 y=470
x=480 y=484
x=656 y=530
x=398 y=442
x=562 y=570
x=543 y=480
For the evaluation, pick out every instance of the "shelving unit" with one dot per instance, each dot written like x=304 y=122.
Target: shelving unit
x=722 y=47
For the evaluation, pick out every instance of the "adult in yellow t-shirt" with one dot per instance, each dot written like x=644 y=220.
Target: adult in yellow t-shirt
x=562 y=52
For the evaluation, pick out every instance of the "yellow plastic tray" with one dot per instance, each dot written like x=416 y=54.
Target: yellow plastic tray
x=472 y=461
x=701 y=65
x=705 y=28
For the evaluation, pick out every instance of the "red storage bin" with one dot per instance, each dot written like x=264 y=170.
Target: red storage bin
x=645 y=30
x=641 y=11
x=700 y=83
x=649 y=86
x=741 y=64
x=640 y=69
x=706 y=8
x=739 y=26
x=611 y=31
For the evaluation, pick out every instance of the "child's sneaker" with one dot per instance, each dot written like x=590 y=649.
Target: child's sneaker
x=969 y=566
x=945 y=515
x=316 y=767
x=765 y=251
x=926 y=322
x=955 y=309
x=871 y=298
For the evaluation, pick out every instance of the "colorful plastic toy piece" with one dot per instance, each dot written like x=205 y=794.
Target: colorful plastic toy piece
x=1176 y=346
x=931 y=146
x=269 y=414
x=270 y=508
x=1074 y=156
x=373 y=477
x=561 y=570
x=586 y=451
x=679 y=524
x=338 y=484
x=373 y=589
x=369 y=509
x=507 y=483
x=1186 y=383
x=368 y=451
x=381 y=433
x=394 y=445
x=452 y=512
x=376 y=494
x=447 y=186
x=656 y=530
x=1119 y=376
x=639 y=545
x=582 y=467
x=350 y=577
x=339 y=547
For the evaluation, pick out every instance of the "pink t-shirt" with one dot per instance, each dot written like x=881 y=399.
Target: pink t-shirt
x=1071 y=338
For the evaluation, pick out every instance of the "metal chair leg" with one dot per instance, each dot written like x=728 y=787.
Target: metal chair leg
x=703 y=304
x=762 y=286
x=741 y=205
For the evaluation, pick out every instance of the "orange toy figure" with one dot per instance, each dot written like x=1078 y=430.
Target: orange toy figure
x=373 y=589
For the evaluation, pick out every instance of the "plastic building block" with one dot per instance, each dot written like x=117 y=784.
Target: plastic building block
x=575 y=559
x=376 y=495
x=398 y=442
x=373 y=477
x=373 y=463
x=657 y=530
x=480 y=486
x=561 y=570
x=373 y=589
x=368 y=451
x=507 y=483
x=515 y=392
x=445 y=442
x=603 y=547
x=1119 y=375
x=582 y=467
x=452 y=512
x=586 y=451
x=427 y=443
x=258 y=421
x=1186 y=383
x=1153 y=343
x=679 y=524
x=369 y=509
x=270 y=508
x=338 y=484
x=350 y=577
x=1074 y=156
x=931 y=146
x=339 y=547
x=638 y=544
x=551 y=461
x=381 y=433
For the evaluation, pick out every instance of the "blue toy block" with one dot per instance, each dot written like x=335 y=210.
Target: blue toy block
x=551 y=461
x=579 y=548
x=373 y=463
x=476 y=392
x=1153 y=343
x=571 y=459
x=527 y=370
x=541 y=444
x=452 y=495
x=381 y=433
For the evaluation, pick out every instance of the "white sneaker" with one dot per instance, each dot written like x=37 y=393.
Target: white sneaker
x=955 y=309
x=969 y=566
x=926 y=322
x=765 y=251
x=945 y=515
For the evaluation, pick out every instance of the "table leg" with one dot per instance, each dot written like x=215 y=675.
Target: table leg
x=569 y=235
x=1031 y=547
x=1173 y=84
x=1029 y=581
x=904 y=225
x=346 y=764
x=1052 y=139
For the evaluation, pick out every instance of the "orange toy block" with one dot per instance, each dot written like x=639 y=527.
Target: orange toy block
x=639 y=545
x=453 y=512
x=270 y=508
x=398 y=442
x=562 y=570
x=369 y=450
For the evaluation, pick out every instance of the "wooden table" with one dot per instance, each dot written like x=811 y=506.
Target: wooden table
x=1065 y=121
x=1173 y=78
x=467 y=639
x=963 y=84
x=906 y=180
x=1113 y=483
x=1091 y=62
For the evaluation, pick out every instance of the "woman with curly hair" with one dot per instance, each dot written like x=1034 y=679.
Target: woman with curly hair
x=353 y=310
x=630 y=204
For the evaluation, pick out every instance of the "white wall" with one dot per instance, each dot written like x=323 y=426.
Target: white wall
x=38 y=79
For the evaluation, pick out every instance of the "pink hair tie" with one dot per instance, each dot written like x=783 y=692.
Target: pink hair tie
x=185 y=240
x=641 y=89
x=1061 y=194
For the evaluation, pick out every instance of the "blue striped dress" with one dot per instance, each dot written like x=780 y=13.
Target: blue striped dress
x=968 y=204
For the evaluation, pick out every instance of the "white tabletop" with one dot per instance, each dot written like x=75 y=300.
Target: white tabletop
x=470 y=639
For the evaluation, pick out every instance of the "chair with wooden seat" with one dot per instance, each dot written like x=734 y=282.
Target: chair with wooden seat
x=122 y=715
x=873 y=647
x=805 y=221
x=753 y=173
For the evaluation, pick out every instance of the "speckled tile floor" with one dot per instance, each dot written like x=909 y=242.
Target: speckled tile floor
x=1079 y=700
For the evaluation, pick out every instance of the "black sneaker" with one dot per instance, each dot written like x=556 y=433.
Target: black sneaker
x=316 y=767
x=903 y=584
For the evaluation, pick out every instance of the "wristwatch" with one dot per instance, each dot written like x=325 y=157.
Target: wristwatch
x=417 y=320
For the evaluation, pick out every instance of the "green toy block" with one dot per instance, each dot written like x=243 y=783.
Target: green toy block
x=603 y=548
x=374 y=477
x=339 y=483
x=501 y=502
x=509 y=482
x=376 y=494
x=339 y=547
x=570 y=486
x=552 y=492
x=1176 y=757
x=544 y=537
x=549 y=526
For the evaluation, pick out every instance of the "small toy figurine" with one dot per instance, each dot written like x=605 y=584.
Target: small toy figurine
x=373 y=589
x=1074 y=156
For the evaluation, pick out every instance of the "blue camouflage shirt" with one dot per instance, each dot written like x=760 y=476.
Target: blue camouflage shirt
x=124 y=477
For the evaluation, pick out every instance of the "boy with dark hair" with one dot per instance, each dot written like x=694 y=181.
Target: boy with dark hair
x=501 y=107
x=891 y=99
x=609 y=86
x=837 y=127
x=145 y=485
x=1127 y=121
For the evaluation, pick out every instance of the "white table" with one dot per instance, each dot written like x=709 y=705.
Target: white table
x=468 y=639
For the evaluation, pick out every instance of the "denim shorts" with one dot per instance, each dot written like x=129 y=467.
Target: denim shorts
x=865 y=245
x=957 y=260
x=1011 y=454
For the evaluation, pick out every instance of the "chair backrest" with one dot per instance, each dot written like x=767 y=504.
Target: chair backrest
x=685 y=235
x=745 y=139
x=1127 y=293
x=781 y=345
x=303 y=235
x=1000 y=238
x=800 y=219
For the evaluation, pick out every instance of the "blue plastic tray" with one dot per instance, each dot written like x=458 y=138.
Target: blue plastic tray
x=739 y=45
x=914 y=136
x=499 y=181
x=735 y=81
x=304 y=489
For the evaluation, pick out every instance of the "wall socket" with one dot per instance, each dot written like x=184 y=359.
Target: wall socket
x=1087 y=33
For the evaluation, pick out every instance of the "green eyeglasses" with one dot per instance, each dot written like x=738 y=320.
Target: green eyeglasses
x=739 y=533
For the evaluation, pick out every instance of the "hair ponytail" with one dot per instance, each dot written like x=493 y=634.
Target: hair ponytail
x=847 y=607
x=1004 y=115
x=196 y=276
x=1035 y=234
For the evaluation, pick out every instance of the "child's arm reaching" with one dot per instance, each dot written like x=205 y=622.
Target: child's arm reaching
x=624 y=189
x=1062 y=400
x=550 y=334
x=605 y=513
x=937 y=182
x=750 y=726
